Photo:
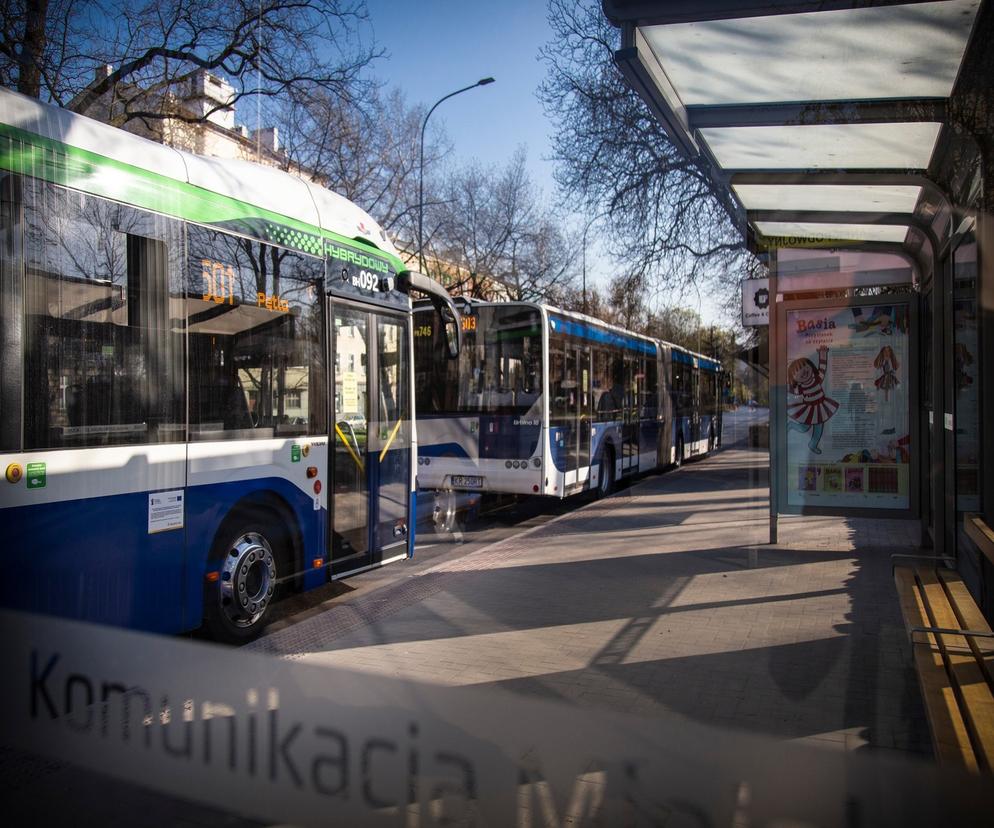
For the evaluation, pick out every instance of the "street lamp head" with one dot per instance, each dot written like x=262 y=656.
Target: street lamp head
x=421 y=164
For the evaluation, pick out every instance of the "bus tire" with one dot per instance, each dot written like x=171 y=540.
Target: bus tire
x=253 y=554
x=679 y=453
x=445 y=512
x=605 y=473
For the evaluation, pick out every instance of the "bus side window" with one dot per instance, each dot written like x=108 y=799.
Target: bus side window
x=256 y=333
x=651 y=387
x=11 y=288
x=101 y=360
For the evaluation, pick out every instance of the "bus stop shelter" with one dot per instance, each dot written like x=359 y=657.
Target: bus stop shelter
x=851 y=143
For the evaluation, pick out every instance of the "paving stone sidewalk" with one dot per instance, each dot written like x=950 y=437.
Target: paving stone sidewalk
x=664 y=599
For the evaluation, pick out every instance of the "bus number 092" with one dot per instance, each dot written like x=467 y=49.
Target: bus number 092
x=365 y=280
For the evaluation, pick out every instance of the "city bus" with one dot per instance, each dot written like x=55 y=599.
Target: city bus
x=549 y=402
x=205 y=381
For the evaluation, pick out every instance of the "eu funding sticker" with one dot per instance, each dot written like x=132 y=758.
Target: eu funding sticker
x=165 y=511
x=36 y=475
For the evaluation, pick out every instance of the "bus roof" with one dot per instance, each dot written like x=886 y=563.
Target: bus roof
x=684 y=354
x=267 y=188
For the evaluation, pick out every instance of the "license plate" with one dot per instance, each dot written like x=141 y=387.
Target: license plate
x=469 y=481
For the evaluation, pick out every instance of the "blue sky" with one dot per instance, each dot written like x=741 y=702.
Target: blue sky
x=437 y=46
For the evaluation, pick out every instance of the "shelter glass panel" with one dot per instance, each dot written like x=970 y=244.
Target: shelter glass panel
x=966 y=379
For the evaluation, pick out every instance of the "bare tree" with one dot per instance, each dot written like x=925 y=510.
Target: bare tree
x=667 y=225
x=367 y=152
x=679 y=325
x=153 y=49
x=626 y=295
x=491 y=224
x=544 y=262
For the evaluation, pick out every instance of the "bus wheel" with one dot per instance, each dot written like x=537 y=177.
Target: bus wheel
x=679 y=452
x=445 y=512
x=605 y=473
x=237 y=608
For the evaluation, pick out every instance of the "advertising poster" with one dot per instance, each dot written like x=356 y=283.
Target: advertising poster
x=848 y=416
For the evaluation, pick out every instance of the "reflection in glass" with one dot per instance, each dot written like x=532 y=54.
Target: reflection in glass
x=102 y=362
x=351 y=495
x=256 y=343
x=966 y=378
x=393 y=452
x=499 y=368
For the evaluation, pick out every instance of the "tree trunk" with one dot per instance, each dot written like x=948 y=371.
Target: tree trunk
x=33 y=48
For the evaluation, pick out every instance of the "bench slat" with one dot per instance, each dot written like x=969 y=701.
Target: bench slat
x=949 y=733
x=980 y=533
x=969 y=678
x=970 y=618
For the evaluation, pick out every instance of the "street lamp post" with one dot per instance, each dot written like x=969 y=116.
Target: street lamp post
x=421 y=166
x=584 y=256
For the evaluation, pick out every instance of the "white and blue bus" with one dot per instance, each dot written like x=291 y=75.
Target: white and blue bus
x=551 y=402
x=205 y=381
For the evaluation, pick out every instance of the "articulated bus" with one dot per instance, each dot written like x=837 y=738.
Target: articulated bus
x=545 y=401
x=205 y=381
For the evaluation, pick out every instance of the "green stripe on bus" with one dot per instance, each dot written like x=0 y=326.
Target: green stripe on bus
x=26 y=153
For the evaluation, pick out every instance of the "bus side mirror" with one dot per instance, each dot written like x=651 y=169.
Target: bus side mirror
x=439 y=297
x=452 y=337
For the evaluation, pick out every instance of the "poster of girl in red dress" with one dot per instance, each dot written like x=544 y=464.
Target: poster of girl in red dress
x=847 y=406
x=814 y=408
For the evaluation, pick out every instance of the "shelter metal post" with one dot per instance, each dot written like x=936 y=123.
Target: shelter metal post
x=775 y=374
x=985 y=303
x=937 y=432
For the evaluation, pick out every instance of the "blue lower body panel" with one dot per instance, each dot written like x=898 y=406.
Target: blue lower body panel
x=95 y=559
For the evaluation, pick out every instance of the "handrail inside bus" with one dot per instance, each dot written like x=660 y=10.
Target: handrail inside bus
x=439 y=297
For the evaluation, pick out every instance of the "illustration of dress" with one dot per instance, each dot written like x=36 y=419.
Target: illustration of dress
x=886 y=362
x=814 y=408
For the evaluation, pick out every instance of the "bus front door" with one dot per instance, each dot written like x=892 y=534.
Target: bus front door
x=695 y=414
x=630 y=424
x=568 y=405
x=371 y=434
x=390 y=440
x=581 y=370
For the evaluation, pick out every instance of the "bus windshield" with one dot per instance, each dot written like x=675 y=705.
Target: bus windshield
x=499 y=370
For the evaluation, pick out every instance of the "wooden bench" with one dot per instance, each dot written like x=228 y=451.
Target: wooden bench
x=953 y=649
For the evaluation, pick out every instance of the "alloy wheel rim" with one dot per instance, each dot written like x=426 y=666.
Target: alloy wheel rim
x=248 y=580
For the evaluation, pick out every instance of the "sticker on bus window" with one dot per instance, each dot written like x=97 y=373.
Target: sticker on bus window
x=165 y=511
